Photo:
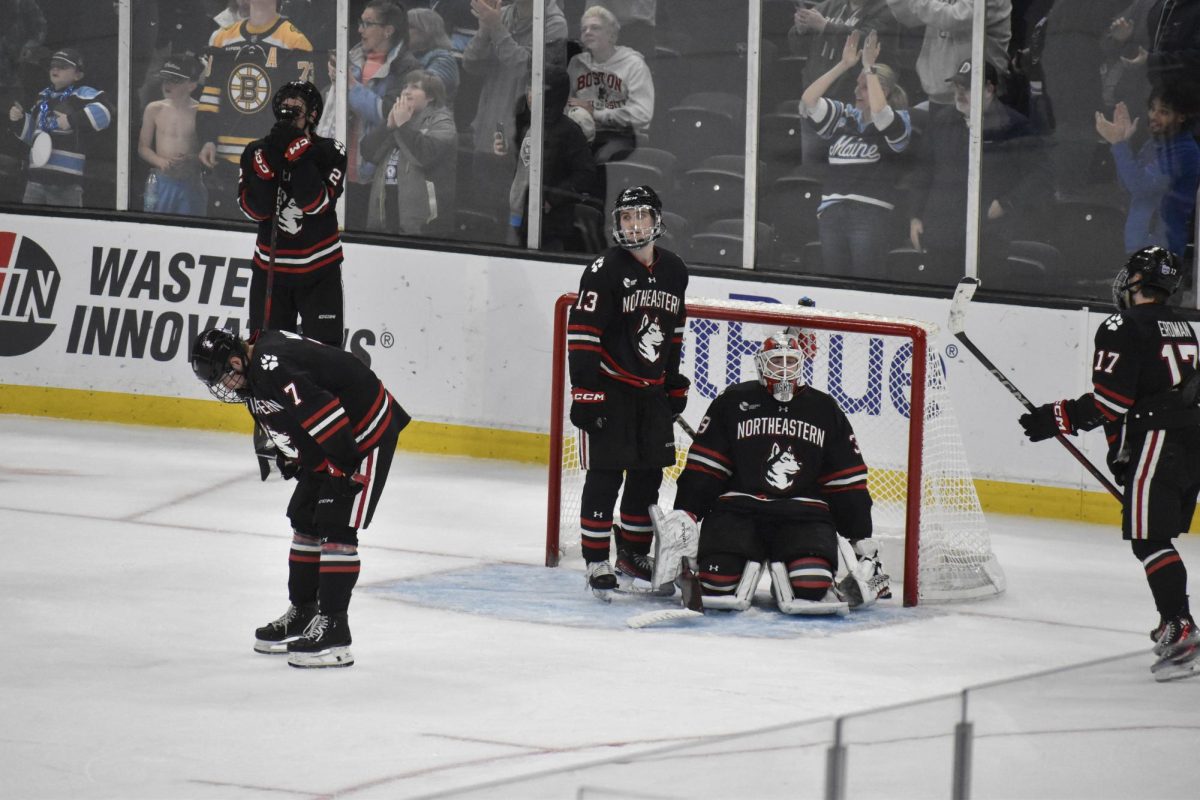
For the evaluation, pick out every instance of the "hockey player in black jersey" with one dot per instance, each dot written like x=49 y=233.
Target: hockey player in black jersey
x=624 y=338
x=289 y=184
x=1144 y=392
x=334 y=428
x=775 y=475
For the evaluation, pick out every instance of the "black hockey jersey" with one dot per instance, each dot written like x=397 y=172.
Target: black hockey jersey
x=1140 y=352
x=245 y=68
x=319 y=404
x=799 y=459
x=308 y=228
x=628 y=322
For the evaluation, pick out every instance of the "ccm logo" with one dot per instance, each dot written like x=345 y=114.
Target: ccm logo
x=588 y=397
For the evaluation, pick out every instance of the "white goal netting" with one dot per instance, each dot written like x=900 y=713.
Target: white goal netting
x=933 y=525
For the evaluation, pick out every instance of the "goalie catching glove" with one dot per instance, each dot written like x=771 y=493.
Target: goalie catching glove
x=676 y=537
x=866 y=581
x=1061 y=417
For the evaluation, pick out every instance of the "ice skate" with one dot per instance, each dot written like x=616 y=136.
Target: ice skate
x=1177 y=648
x=601 y=579
x=273 y=638
x=325 y=643
x=635 y=572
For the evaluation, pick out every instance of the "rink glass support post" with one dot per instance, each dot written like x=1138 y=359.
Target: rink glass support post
x=964 y=733
x=835 y=766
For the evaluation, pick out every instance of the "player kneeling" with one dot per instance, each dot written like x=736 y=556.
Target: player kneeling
x=775 y=474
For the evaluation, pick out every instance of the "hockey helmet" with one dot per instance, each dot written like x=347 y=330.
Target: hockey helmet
x=637 y=197
x=304 y=91
x=210 y=361
x=1148 y=268
x=780 y=365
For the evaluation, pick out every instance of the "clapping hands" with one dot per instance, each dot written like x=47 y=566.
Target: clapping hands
x=1120 y=129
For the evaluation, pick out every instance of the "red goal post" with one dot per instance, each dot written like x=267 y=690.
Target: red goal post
x=927 y=513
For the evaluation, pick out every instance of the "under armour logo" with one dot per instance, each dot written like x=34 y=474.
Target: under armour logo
x=652 y=279
x=597 y=515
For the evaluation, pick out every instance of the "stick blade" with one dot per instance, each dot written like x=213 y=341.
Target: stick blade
x=650 y=619
x=958 y=306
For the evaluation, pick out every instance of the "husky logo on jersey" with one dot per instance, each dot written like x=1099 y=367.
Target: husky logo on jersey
x=290 y=218
x=283 y=442
x=597 y=264
x=268 y=362
x=1113 y=322
x=781 y=467
x=650 y=338
x=249 y=88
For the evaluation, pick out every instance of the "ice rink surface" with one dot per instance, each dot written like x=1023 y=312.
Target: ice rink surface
x=138 y=561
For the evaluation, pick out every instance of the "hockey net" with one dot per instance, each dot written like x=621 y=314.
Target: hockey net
x=926 y=511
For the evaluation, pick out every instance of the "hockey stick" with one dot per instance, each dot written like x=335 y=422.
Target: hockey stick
x=683 y=425
x=280 y=197
x=958 y=310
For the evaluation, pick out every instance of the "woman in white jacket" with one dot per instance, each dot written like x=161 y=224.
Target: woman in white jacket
x=613 y=84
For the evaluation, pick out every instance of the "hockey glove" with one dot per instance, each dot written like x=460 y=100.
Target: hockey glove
x=1061 y=417
x=677 y=393
x=262 y=165
x=587 y=409
x=1118 y=465
x=281 y=137
x=344 y=484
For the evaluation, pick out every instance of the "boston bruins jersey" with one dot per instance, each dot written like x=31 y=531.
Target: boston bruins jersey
x=756 y=455
x=628 y=322
x=308 y=228
x=1140 y=352
x=245 y=67
x=319 y=404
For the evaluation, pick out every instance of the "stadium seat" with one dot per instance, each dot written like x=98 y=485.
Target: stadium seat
x=706 y=124
x=779 y=141
x=718 y=249
x=1091 y=238
x=715 y=190
x=789 y=205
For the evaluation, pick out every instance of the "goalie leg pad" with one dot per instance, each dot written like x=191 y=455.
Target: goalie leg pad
x=742 y=593
x=676 y=536
x=788 y=603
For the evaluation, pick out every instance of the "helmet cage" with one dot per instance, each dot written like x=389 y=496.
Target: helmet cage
x=211 y=356
x=1149 y=268
x=780 y=365
x=638 y=237
x=314 y=104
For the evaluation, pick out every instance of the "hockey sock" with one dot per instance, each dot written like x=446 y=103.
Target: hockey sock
x=1166 y=575
x=810 y=577
x=304 y=559
x=641 y=491
x=600 y=488
x=339 y=573
x=720 y=573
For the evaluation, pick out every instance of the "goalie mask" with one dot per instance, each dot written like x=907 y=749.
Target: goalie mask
x=637 y=236
x=780 y=365
x=1148 y=268
x=304 y=91
x=210 y=361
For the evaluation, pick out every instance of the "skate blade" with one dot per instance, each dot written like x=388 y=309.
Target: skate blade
x=628 y=584
x=333 y=657
x=272 y=648
x=1173 y=671
x=652 y=618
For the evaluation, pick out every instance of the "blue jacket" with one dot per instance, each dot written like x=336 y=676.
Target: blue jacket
x=1161 y=180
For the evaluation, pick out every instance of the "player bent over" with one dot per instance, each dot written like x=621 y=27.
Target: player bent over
x=775 y=474
x=1145 y=387
x=335 y=427
x=623 y=343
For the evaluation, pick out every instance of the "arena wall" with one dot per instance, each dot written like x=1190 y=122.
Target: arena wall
x=96 y=318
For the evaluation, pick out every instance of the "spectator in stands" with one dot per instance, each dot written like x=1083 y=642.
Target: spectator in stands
x=58 y=126
x=429 y=43
x=866 y=142
x=235 y=103
x=501 y=54
x=1014 y=177
x=568 y=172
x=21 y=40
x=947 y=41
x=1072 y=59
x=168 y=143
x=613 y=83
x=414 y=153
x=235 y=11
x=1161 y=177
x=378 y=64
x=1173 y=55
x=459 y=20
x=639 y=19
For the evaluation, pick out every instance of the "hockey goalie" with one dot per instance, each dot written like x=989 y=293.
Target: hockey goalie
x=773 y=477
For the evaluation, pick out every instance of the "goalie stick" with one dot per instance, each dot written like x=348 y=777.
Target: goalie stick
x=958 y=310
